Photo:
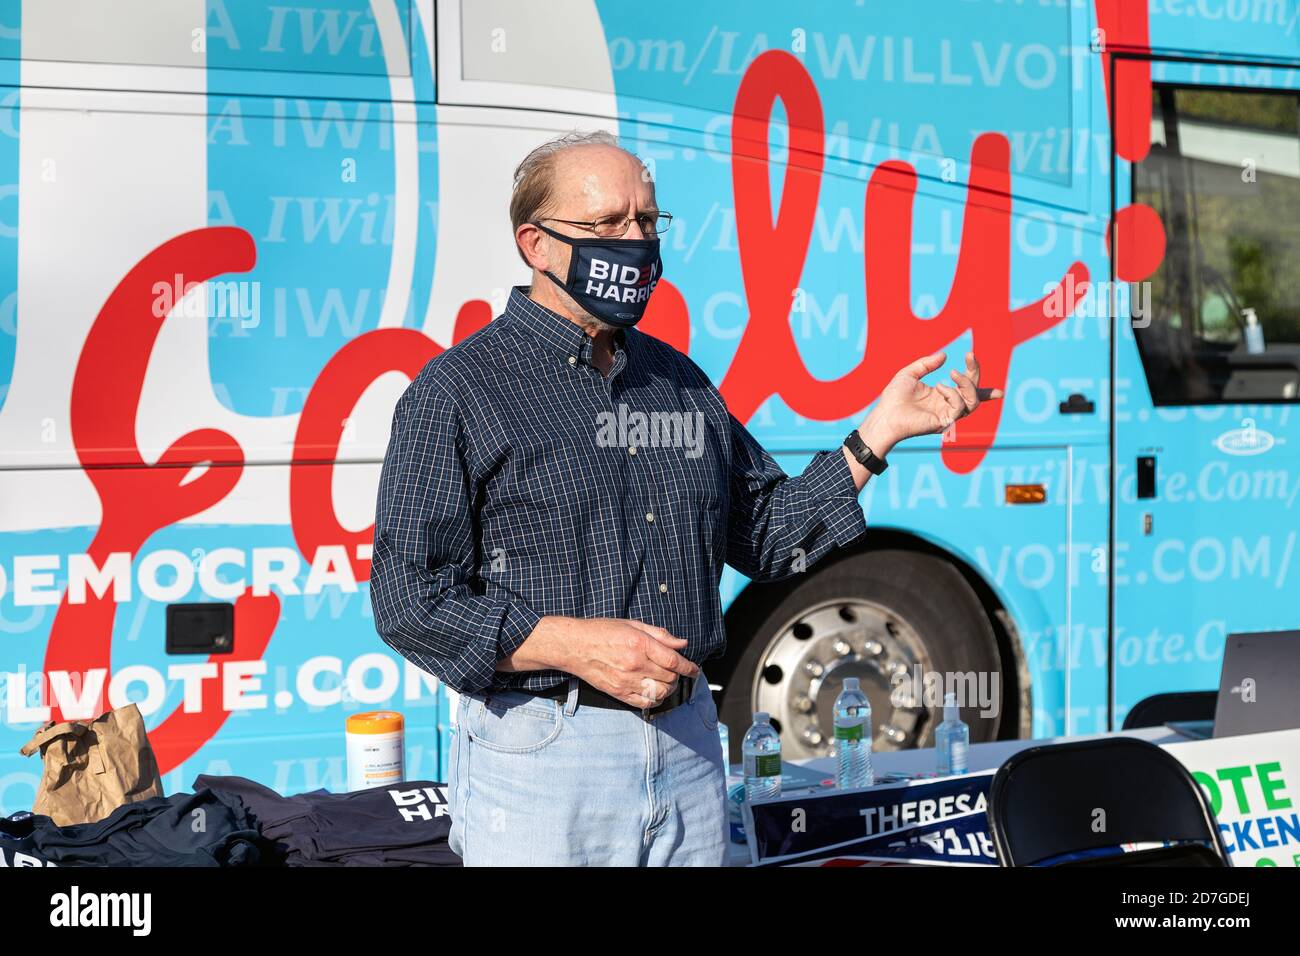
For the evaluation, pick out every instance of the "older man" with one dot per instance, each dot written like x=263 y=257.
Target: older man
x=558 y=498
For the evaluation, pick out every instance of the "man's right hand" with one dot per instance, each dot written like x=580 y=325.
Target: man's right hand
x=635 y=662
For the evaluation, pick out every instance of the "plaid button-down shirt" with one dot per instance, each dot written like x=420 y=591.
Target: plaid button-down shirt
x=519 y=482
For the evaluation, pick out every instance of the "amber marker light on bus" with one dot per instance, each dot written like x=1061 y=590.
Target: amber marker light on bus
x=1026 y=494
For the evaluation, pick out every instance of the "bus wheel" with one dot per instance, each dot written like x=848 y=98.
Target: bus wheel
x=889 y=618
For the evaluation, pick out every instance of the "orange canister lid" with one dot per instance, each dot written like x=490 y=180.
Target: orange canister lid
x=375 y=722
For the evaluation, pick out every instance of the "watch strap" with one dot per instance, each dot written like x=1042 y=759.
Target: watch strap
x=864 y=455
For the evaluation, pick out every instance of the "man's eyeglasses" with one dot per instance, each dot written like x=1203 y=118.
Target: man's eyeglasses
x=615 y=227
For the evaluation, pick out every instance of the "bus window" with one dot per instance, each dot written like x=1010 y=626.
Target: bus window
x=887 y=88
x=554 y=45
x=1223 y=324
x=345 y=37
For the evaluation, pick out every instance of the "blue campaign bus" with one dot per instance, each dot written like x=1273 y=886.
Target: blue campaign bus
x=231 y=231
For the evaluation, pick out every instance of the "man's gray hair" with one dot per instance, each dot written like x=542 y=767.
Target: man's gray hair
x=535 y=175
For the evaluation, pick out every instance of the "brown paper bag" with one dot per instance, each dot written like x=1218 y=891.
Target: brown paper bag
x=94 y=767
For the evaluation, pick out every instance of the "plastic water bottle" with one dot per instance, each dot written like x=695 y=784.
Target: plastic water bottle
x=725 y=739
x=762 y=750
x=951 y=739
x=853 y=737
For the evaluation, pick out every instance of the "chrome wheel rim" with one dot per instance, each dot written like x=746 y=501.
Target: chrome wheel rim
x=803 y=667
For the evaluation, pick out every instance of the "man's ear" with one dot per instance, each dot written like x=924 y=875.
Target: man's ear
x=532 y=242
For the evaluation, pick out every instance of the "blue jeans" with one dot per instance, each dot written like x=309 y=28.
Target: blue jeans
x=541 y=782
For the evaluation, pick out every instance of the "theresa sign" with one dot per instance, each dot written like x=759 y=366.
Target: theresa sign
x=923 y=819
x=1250 y=782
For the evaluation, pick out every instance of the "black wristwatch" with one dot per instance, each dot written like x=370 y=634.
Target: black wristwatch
x=867 y=458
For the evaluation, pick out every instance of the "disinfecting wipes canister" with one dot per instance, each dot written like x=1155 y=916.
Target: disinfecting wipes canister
x=376 y=744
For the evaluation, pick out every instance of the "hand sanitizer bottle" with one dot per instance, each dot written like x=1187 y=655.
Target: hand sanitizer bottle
x=951 y=739
x=1254 y=333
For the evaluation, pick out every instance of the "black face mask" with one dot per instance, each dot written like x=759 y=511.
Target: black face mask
x=611 y=278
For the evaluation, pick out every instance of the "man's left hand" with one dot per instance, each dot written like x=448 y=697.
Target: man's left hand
x=909 y=407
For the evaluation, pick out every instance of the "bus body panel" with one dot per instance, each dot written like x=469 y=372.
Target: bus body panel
x=223 y=254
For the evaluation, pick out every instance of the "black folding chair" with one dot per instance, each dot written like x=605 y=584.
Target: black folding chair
x=1094 y=795
x=1159 y=709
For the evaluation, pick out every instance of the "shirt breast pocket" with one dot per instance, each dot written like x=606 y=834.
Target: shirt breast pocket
x=699 y=480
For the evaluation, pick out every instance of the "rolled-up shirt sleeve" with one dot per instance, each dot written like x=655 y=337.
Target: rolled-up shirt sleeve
x=428 y=601
x=779 y=525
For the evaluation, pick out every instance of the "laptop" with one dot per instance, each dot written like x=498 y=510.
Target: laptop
x=1259 y=687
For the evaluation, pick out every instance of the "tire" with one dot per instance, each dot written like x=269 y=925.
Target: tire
x=791 y=644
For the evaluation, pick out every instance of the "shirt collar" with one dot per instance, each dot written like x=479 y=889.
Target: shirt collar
x=560 y=334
